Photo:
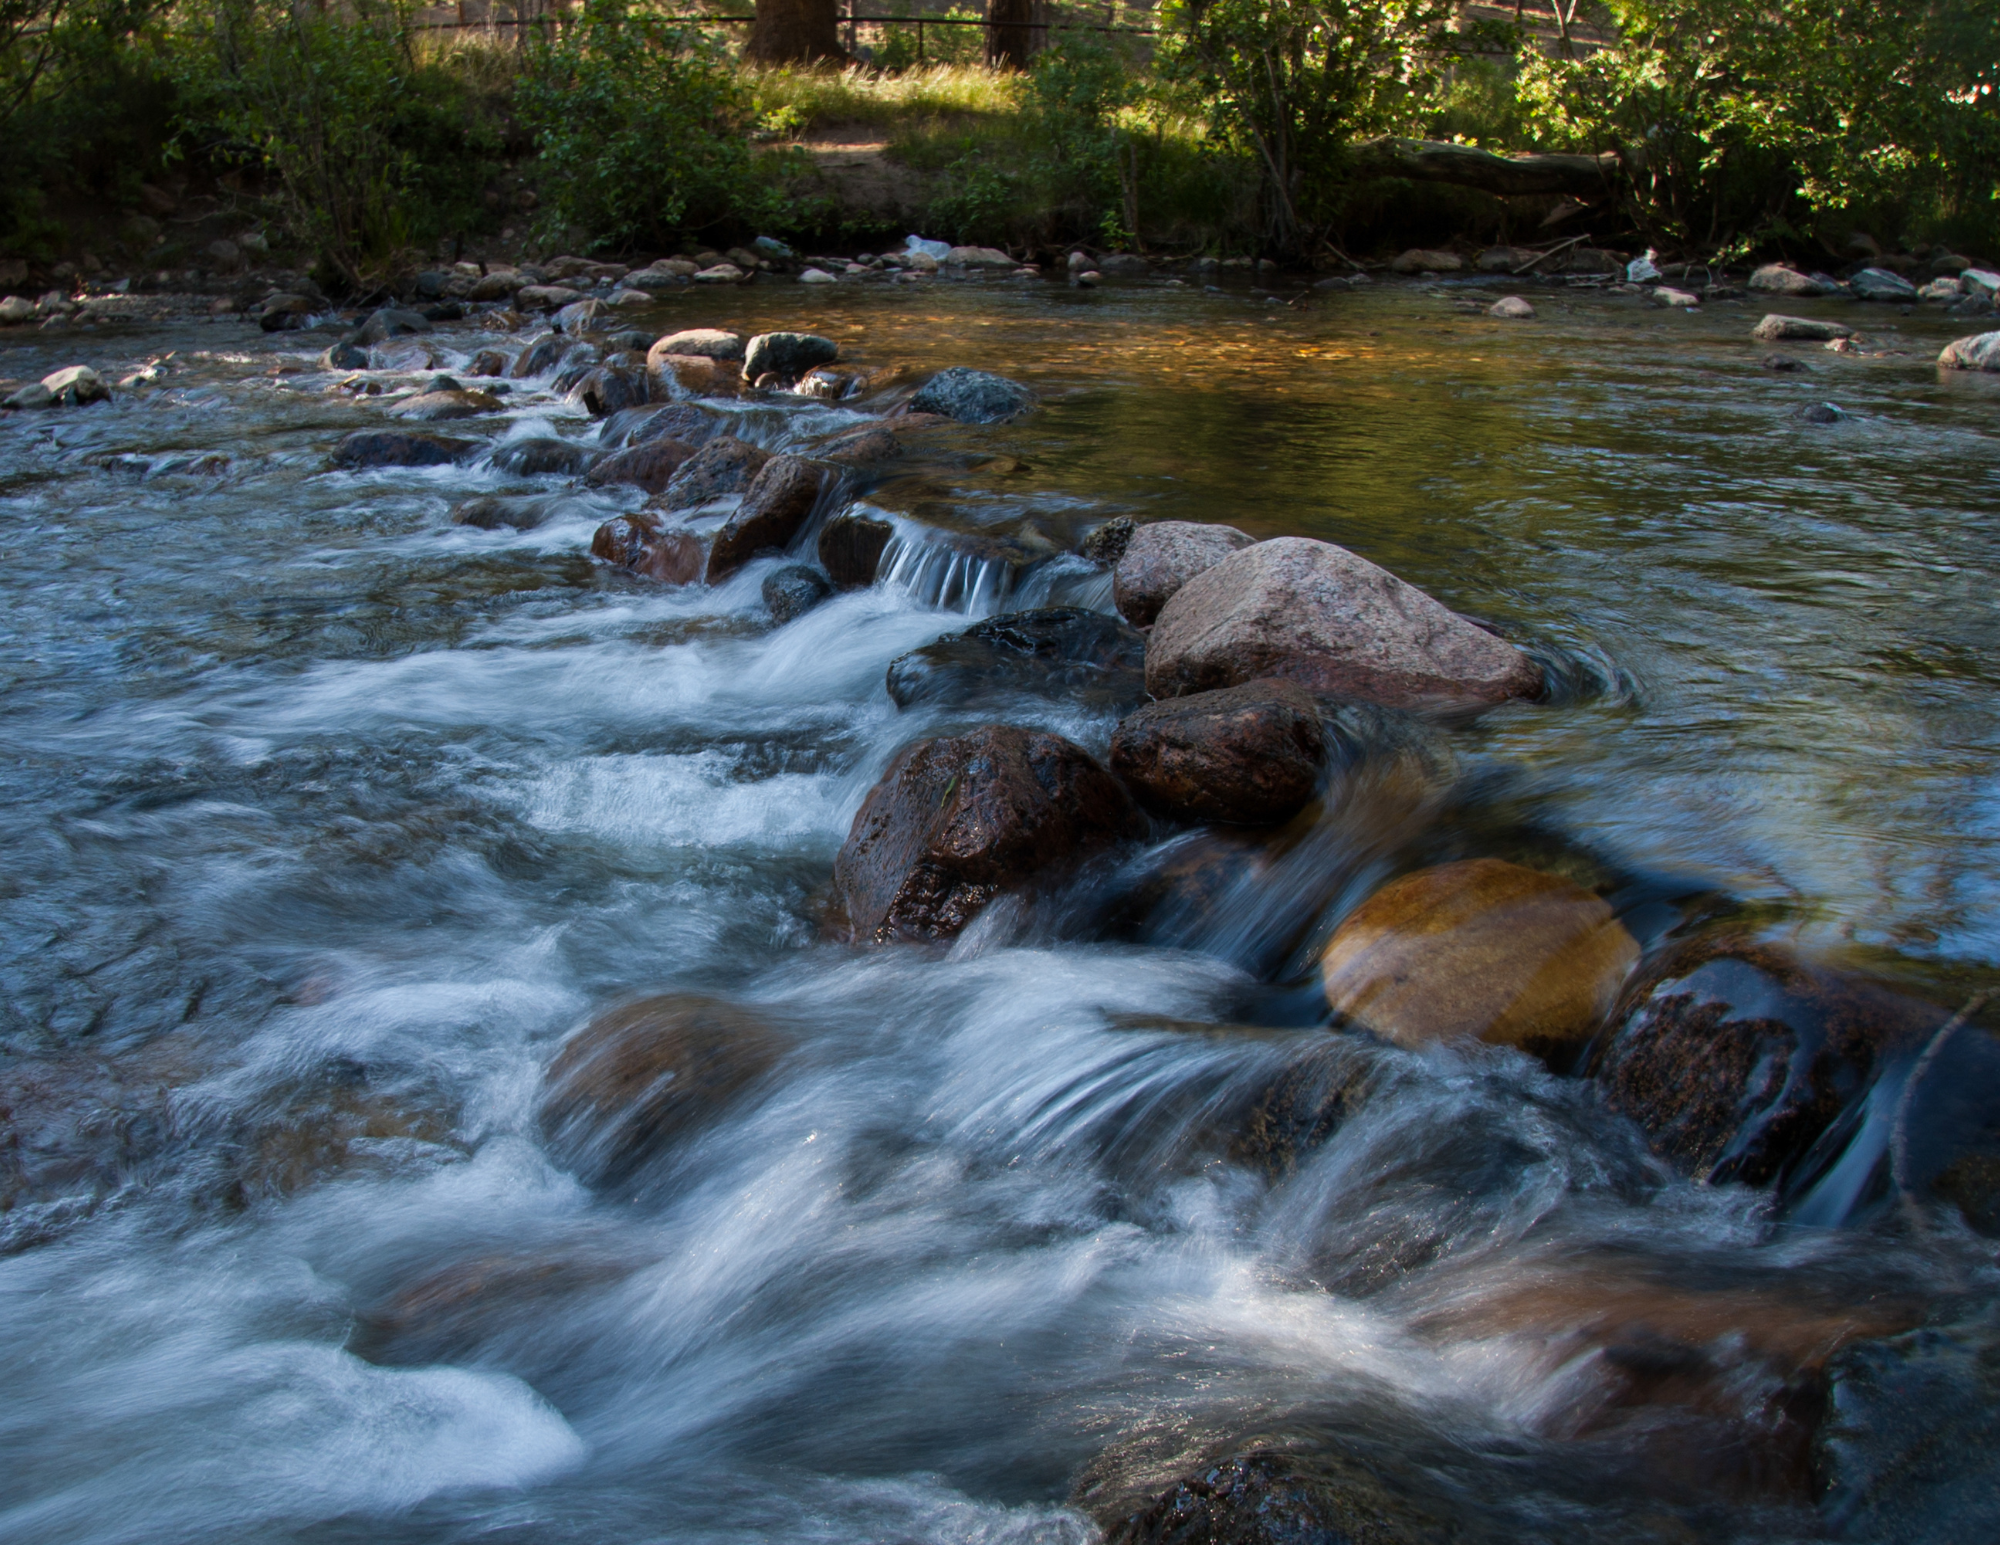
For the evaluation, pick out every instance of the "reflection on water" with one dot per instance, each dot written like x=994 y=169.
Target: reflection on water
x=327 y=819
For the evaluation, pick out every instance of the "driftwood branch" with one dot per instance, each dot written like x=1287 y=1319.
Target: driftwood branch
x=1434 y=161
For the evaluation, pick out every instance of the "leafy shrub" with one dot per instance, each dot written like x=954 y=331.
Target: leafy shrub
x=643 y=129
x=374 y=150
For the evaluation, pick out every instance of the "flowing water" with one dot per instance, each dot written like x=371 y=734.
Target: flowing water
x=327 y=819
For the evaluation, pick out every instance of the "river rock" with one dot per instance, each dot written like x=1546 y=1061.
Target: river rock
x=287 y=313
x=721 y=273
x=957 y=820
x=16 y=310
x=657 y=421
x=1880 y=284
x=638 y=1079
x=646 y=545
x=786 y=354
x=720 y=468
x=452 y=1313
x=1479 y=950
x=650 y=465
x=1162 y=557
x=33 y=396
x=873 y=445
x=388 y=322
x=345 y=356
x=1248 y=755
x=399 y=448
x=1666 y=295
x=1419 y=260
x=972 y=396
x=579 y=315
x=1944 y=1145
x=698 y=342
x=1107 y=543
x=1054 y=651
x=1511 y=308
x=1774 y=327
x=1979 y=352
x=1778 y=279
x=795 y=590
x=1737 y=1057
x=1334 y=622
x=851 y=547
x=695 y=375
x=545 y=297
x=498 y=284
x=667 y=274
x=541 y=456
x=775 y=506
x=543 y=355
x=494 y=512
x=437 y=406
x=1281 y=1498
x=75 y=386
x=609 y=389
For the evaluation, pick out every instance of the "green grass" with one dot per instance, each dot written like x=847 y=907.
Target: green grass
x=804 y=100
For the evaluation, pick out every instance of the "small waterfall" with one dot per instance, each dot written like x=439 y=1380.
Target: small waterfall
x=944 y=575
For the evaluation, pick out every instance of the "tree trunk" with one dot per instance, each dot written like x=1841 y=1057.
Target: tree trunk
x=1434 y=161
x=1011 y=36
x=795 y=32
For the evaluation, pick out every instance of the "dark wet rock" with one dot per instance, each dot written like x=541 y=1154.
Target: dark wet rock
x=579 y=315
x=720 y=468
x=1782 y=362
x=1736 y=1058
x=1479 y=950
x=439 y=406
x=1881 y=285
x=390 y=322
x=399 y=448
x=851 y=548
x=640 y=1078
x=574 y=370
x=1106 y=544
x=775 y=508
x=1276 y=1498
x=1333 y=622
x=443 y=311
x=788 y=355
x=646 y=545
x=542 y=356
x=453 y=1312
x=681 y=421
x=650 y=465
x=972 y=396
x=545 y=297
x=1248 y=755
x=541 y=457
x=795 y=590
x=1944 y=1141
x=1979 y=352
x=488 y=362
x=287 y=313
x=1053 y=652
x=515 y=512
x=1909 y=1450
x=1775 y=327
x=871 y=446
x=957 y=820
x=1821 y=413
x=610 y=389
x=344 y=356
x=698 y=343
x=1162 y=557
x=823 y=385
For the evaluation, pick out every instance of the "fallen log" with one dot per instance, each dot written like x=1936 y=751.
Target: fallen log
x=1425 y=160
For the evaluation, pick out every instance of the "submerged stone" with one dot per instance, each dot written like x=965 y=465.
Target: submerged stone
x=1052 y=652
x=972 y=396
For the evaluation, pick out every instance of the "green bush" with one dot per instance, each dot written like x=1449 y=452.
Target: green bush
x=643 y=130
x=374 y=150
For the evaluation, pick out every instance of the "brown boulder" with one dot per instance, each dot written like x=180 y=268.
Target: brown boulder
x=851 y=548
x=1333 y=622
x=433 y=407
x=722 y=467
x=450 y=1313
x=1249 y=755
x=1736 y=1057
x=958 y=819
x=642 y=543
x=693 y=373
x=650 y=465
x=636 y=1079
x=1162 y=557
x=1479 y=950
x=610 y=389
x=697 y=343
x=398 y=448
x=775 y=506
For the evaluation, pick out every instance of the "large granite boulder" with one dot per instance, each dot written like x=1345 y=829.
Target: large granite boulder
x=1979 y=352
x=786 y=354
x=637 y=1079
x=1052 y=652
x=1807 y=329
x=698 y=342
x=1160 y=558
x=720 y=468
x=1777 y=279
x=775 y=507
x=1248 y=755
x=1333 y=622
x=1880 y=284
x=1479 y=950
x=651 y=465
x=957 y=820
x=972 y=396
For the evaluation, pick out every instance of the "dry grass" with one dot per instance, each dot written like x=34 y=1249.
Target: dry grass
x=808 y=99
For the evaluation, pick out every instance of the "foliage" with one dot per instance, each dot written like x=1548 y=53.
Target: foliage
x=1732 y=125
x=947 y=46
x=374 y=150
x=82 y=99
x=862 y=96
x=1286 y=84
x=644 y=129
